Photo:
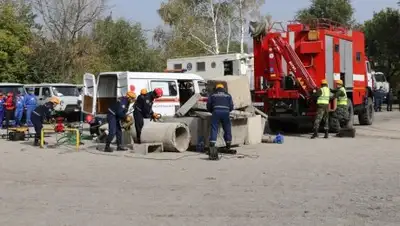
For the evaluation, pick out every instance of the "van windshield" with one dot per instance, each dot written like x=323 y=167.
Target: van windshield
x=66 y=91
x=14 y=89
x=380 y=78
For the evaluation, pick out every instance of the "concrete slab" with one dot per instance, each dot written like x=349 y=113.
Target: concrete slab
x=147 y=148
x=255 y=130
x=237 y=86
x=188 y=105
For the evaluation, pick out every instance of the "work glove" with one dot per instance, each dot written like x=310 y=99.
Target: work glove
x=156 y=116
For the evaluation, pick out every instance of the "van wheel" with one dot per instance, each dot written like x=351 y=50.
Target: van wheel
x=366 y=117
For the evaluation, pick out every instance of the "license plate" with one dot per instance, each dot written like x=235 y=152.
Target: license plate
x=76 y=110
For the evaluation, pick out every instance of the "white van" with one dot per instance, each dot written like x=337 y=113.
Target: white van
x=12 y=87
x=68 y=94
x=109 y=86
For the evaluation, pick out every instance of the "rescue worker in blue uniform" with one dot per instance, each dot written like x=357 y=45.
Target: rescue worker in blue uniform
x=30 y=105
x=144 y=109
x=220 y=104
x=117 y=113
x=19 y=108
x=39 y=114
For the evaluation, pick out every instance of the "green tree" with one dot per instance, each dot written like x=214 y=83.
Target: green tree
x=124 y=47
x=15 y=35
x=383 y=41
x=340 y=11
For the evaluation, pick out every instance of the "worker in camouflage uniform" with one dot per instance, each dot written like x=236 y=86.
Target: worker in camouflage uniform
x=323 y=95
x=341 y=113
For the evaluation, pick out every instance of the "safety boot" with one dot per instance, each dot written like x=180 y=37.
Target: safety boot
x=213 y=153
x=315 y=134
x=122 y=148
x=228 y=145
x=107 y=148
x=326 y=134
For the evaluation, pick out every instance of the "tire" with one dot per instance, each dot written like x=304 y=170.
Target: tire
x=334 y=124
x=274 y=125
x=350 y=109
x=366 y=117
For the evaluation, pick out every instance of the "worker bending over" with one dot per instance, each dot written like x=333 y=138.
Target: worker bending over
x=323 y=95
x=341 y=113
x=39 y=114
x=220 y=104
x=117 y=113
x=144 y=109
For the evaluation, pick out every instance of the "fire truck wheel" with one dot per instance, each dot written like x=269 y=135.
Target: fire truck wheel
x=350 y=109
x=366 y=117
x=274 y=125
x=334 y=124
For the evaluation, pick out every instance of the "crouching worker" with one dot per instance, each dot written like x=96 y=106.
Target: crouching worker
x=144 y=109
x=220 y=104
x=117 y=113
x=41 y=113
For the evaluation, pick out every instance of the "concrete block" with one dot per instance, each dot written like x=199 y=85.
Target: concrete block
x=146 y=148
x=255 y=130
x=237 y=86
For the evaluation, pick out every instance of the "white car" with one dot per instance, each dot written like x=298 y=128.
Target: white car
x=67 y=93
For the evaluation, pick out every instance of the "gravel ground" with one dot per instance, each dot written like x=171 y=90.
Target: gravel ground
x=301 y=182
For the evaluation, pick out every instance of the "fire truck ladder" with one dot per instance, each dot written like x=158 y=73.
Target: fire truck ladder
x=295 y=65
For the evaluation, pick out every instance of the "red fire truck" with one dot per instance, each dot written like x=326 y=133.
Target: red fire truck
x=290 y=64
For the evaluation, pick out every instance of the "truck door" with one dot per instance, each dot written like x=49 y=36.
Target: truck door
x=89 y=98
x=169 y=103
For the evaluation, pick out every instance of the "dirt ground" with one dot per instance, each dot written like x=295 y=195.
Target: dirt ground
x=301 y=182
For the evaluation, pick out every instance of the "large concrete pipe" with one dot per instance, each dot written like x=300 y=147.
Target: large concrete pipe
x=174 y=136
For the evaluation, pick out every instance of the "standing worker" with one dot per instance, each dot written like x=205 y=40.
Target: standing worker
x=39 y=114
x=30 y=105
x=341 y=113
x=10 y=107
x=2 y=109
x=116 y=113
x=144 y=109
x=389 y=100
x=323 y=95
x=220 y=104
x=19 y=109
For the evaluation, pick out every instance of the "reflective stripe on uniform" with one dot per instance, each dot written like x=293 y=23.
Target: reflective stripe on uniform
x=34 y=112
x=220 y=106
x=325 y=94
x=111 y=111
x=342 y=100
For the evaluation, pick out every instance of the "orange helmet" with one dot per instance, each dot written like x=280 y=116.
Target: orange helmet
x=143 y=91
x=324 y=82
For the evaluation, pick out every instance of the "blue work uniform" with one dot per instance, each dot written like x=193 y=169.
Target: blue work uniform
x=39 y=114
x=19 y=110
x=116 y=113
x=220 y=104
x=143 y=109
x=2 y=110
x=30 y=104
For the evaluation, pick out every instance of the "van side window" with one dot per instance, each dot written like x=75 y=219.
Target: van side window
x=37 y=91
x=46 y=92
x=170 y=89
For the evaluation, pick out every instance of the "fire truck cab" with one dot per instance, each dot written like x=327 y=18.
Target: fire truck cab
x=289 y=65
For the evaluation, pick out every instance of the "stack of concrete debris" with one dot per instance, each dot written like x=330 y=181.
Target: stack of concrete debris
x=247 y=124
